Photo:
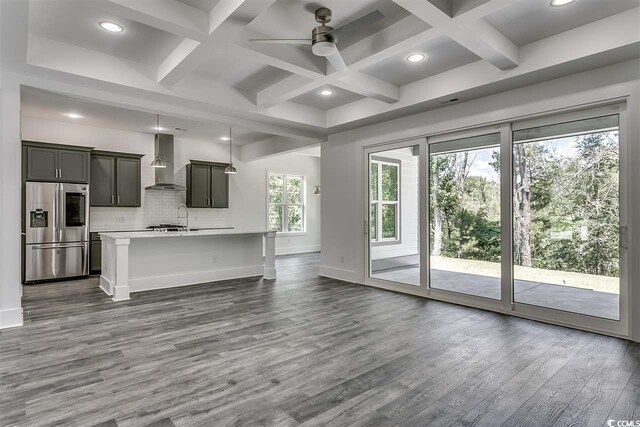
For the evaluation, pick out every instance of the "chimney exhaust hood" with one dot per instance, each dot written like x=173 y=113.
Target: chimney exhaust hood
x=164 y=176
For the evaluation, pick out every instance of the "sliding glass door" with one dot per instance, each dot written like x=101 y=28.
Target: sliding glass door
x=566 y=216
x=525 y=217
x=464 y=208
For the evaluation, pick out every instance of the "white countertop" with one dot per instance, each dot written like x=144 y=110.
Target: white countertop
x=158 y=234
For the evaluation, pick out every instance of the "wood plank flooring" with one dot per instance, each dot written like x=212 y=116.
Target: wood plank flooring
x=301 y=350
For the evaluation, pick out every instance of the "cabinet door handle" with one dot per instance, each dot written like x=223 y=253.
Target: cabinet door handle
x=113 y=200
x=118 y=199
x=213 y=202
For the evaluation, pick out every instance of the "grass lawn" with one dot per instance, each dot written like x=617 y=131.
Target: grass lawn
x=492 y=269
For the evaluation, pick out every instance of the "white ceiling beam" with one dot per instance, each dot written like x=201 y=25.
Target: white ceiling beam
x=369 y=86
x=187 y=57
x=274 y=146
x=479 y=36
x=168 y=15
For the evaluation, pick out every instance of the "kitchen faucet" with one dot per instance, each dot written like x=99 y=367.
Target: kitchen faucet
x=187 y=214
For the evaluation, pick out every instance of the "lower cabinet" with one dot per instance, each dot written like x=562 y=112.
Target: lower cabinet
x=207 y=185
x=115 y=179
x=95 y=254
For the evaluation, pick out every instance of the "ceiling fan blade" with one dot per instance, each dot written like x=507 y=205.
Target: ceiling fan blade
x=281 y=41
x=336 y=60
x=354 y=27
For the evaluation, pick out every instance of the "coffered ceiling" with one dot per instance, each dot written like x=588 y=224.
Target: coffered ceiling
x=196 y=57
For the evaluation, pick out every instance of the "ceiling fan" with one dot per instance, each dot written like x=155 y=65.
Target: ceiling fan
x=324 y=38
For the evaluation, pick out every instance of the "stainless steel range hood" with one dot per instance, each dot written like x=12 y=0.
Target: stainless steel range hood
x=164 y=176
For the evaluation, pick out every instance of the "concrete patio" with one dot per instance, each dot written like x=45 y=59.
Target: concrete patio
x=566 y=298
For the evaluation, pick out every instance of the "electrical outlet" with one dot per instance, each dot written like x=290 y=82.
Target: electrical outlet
x=288 y=240
x=214 y=259
x=342 y=259
x=120 y=220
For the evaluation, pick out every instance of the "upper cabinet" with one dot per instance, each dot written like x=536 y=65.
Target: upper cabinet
x=207 y=185
x=57 y=163
x=115 y=179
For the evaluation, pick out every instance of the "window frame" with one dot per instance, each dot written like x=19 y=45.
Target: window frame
x=379 y=240
x=285 y=204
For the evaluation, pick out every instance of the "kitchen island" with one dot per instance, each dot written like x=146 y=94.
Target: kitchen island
x=147 y=260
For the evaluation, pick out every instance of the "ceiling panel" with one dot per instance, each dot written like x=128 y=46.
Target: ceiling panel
x=442 y=54
x=315 y=100
x=52 y=106
x=241 y=73
x=527 y=21
x=76 y=22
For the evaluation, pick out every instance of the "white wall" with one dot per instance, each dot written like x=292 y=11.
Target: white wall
x=247 y=188
x=343 y=241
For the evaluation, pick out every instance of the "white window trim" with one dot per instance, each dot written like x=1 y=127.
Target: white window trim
x=285 y=205
x=379 y=240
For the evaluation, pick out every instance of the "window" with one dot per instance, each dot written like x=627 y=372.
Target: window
x=384 y=196
x=286 y=199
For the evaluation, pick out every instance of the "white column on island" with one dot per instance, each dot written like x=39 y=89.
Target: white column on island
x=270 y=255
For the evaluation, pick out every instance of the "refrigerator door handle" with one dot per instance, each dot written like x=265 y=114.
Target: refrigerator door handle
x=64 y=246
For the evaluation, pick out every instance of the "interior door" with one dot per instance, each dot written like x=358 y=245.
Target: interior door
x=395 y=198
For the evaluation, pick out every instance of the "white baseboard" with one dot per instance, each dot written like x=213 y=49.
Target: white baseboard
x=340 y=274
x=10 y=318
x=186 y=279
x=291 y=250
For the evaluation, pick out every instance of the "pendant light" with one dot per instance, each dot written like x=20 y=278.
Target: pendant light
x=230 y=169
x=158 y=162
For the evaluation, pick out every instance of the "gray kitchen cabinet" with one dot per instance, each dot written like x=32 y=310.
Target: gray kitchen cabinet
x=103 y=180
x=56 y=162
x=219 y=187
x=115 y=179
x=95 y=254
x=128 y=186
x=207 y=185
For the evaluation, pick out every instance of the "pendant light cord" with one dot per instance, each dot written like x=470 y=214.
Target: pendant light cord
x=230 y=158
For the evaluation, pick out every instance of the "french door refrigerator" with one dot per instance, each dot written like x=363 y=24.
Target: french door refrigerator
x=56 y=230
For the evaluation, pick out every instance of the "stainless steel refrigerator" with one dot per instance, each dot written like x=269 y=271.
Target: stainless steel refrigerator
x=56 y=230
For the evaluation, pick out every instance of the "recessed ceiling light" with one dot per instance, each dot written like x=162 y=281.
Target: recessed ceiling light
x=159 y=129
x=73 y=116
x=111 y=27
x=561 y=2
x=224 y=138
x=416 y=57
x=326 y=92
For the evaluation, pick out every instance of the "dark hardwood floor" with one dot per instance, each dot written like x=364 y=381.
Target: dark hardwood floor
x=301 y=350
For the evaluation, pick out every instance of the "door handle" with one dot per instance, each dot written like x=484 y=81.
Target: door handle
x=56 y=247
